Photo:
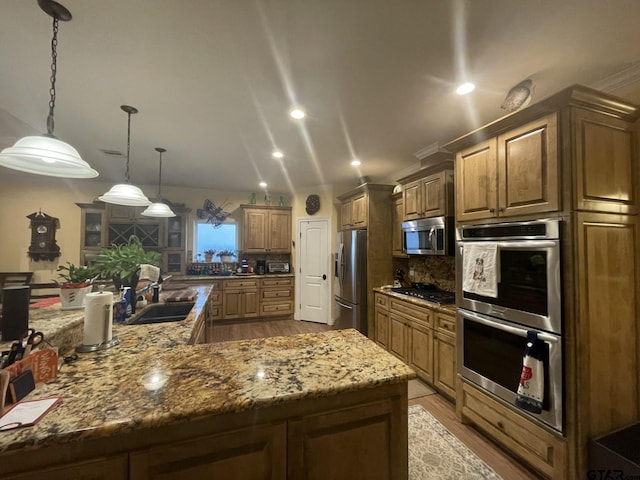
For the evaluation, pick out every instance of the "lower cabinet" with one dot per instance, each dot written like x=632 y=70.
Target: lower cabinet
x=542 y=450
x=422 y=351
x=422 y=337
x=347 y=438
x=253 y=452
x=444 y=371
x=240 y=299
x=276 y=297
x=110 y=468
x=398 y=337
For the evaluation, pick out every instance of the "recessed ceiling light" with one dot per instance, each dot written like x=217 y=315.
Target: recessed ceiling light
x=297 y=113
x=277 y=154
x=355 y=162
x=465 y=88
x=263 y=184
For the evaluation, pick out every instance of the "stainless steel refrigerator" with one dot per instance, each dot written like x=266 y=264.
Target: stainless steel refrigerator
x=350 y=284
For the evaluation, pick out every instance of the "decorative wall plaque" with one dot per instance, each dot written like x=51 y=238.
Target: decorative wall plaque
x=313 y=204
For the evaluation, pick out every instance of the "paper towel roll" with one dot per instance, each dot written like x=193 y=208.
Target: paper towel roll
x=98 y=313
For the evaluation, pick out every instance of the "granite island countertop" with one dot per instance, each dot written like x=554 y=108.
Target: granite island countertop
x=154 y=378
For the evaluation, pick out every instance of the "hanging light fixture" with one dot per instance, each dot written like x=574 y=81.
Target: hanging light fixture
x=45 y=154
x=125 y=193
x=159 y=208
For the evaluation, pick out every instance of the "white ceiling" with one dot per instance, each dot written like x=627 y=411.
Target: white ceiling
x=214 y=80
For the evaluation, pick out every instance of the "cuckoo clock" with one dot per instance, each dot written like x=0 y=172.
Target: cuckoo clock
x=43 y=237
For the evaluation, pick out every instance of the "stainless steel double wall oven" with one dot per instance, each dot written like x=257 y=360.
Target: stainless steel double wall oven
x=493 y=330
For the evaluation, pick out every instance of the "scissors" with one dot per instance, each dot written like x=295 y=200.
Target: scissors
x=33 y=339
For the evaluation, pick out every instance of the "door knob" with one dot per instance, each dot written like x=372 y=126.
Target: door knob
x=324 y=276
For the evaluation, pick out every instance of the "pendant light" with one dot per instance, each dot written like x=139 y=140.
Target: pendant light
x=45 y=154
x=159 y=208
x=125 y=193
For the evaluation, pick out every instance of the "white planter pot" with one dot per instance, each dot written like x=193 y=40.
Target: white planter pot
x=73 y=298
x=225 y=259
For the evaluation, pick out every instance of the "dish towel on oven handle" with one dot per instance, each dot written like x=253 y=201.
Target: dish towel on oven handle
x=480 y=268
x=530 y=395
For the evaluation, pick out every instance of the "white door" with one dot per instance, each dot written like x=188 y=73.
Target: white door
x=314 y=271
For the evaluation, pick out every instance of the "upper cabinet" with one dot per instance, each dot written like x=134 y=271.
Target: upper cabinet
x=574 y=150
x=428 y=192
x=103 y=225
x=266 y=229
x=354 y=211
x=515 y=173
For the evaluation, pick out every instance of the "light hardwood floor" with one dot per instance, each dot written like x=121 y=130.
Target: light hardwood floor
x=504 y=465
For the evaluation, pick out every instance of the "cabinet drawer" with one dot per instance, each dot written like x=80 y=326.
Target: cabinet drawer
x=277 y=282
x=276 y=294
x=446 y=324
x=276 y=308
x=382 y=300
x=240 y=284
x=214 y=312
x=410 y=310
x=541 y=449
x=215 y=297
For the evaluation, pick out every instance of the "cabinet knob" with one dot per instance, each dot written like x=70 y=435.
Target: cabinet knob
x=501 y=209
x=492 y=210
x=500 y=425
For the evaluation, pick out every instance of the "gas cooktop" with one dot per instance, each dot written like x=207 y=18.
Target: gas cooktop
x=427 y=291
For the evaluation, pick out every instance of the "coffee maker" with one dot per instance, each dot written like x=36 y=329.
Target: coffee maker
x=261 y=267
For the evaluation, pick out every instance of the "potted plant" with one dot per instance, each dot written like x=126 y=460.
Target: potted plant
x=226 y=255
x=77 y=283
x=208 y=255
x=122 y=263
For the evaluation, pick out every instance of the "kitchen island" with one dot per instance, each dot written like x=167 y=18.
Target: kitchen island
x=325 y=405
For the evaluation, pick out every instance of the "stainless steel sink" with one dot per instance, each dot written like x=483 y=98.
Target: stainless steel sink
x=162 y=312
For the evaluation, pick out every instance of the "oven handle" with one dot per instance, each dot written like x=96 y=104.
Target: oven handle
x=521 y=332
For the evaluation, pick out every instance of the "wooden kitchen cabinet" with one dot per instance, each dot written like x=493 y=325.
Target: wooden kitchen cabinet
x=540 y=449
x=382 y=322
x=104 y=225
x=266 y=229
x=377 y=212
x=444 y=364
x=109 y=468
x=421 y=358
x=428 y=193
x=515 y=173
x=396 y=224
x=346 y=436
x=354 y=212
x=276 y=297
x=573 y=155
x=422 y=337
x=253 y=452
x=399 y=337
x=606 y=163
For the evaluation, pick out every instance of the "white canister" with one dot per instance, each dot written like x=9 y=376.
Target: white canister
x=98 y=314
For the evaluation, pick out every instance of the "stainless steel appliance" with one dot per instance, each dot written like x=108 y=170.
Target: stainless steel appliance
x=427 y=291
x=350 y=285
x=278 y=267
x=428 y=236
x=493 y=330
x=528 y=272
x=490 y=354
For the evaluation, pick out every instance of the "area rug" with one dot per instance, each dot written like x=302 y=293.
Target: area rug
x=435 y=453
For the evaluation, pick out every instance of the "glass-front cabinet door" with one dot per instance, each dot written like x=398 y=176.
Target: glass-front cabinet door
x=93 y=223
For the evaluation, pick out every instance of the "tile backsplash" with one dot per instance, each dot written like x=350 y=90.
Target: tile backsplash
x=439 y=270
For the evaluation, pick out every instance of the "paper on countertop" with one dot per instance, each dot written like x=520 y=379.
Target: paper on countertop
x=479 y=268
x=26 y=413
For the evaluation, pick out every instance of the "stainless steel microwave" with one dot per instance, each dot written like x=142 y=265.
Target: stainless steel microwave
x=428 y=236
